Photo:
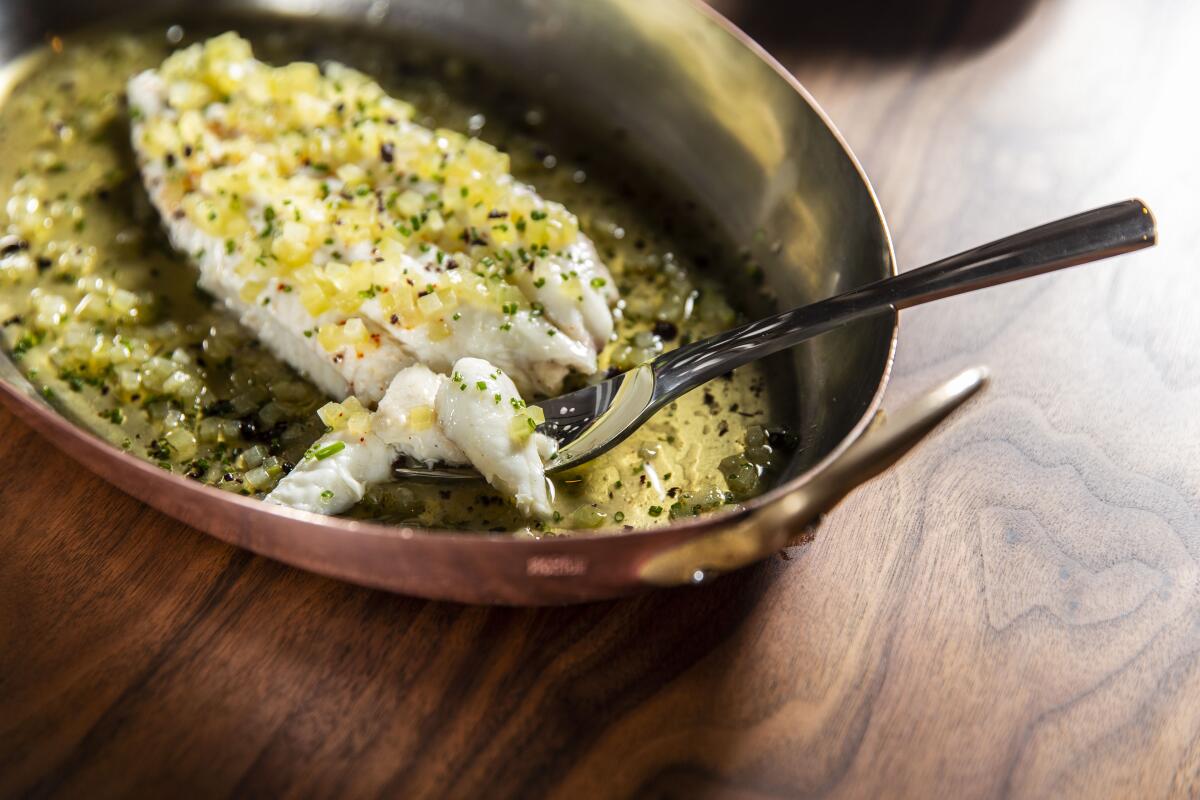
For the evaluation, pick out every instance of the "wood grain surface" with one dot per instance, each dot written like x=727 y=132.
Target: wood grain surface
x=1012 y=610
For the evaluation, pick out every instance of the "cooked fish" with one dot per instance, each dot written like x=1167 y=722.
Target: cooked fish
x=406 y=418
x=354 y=241
x=371 y=253
x=482 y=413
x=475 y=416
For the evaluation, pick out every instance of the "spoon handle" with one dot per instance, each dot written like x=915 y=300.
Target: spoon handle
x=1090 y=236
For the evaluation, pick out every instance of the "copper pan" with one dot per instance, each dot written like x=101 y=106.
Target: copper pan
x=710 y=113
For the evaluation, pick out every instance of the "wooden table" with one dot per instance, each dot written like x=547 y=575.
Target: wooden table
x=1013 y=609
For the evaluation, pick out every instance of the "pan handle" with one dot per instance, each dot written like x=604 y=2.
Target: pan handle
x=772 y=527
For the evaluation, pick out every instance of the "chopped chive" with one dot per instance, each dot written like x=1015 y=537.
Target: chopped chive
x=329 y=450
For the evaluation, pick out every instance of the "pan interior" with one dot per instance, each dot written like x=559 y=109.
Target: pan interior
x=733 y=169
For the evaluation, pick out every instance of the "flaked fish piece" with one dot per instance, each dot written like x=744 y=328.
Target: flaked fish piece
x=335 y=474
x=406 y=418
x=482 y=413
x=475 y=416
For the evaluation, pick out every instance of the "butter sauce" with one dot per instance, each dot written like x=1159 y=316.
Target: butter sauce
x=106 y=320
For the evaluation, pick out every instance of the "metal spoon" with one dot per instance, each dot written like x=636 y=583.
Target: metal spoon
x=590 y=421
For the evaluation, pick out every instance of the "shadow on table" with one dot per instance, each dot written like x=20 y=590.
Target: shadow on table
x=885 y=30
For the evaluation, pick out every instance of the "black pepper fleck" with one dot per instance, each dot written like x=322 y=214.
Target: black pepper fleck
x=665 y=330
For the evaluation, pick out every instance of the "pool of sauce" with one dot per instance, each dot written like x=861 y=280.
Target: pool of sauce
x=73 y=210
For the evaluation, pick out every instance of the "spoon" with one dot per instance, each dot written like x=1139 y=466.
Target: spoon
x=590 y=421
